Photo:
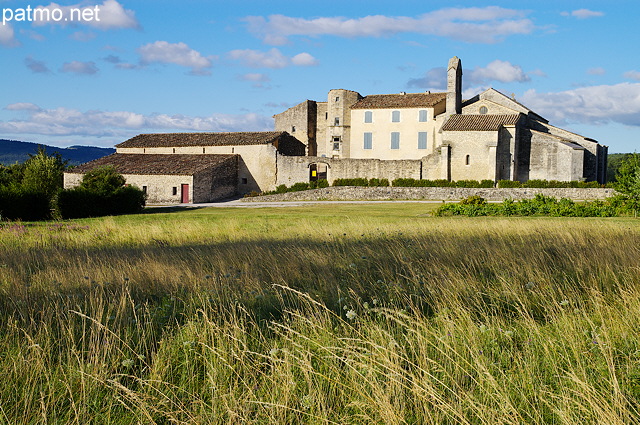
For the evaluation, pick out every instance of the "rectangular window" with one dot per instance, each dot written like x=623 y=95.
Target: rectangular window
x=422 y=115
x=174 y=191
x=395 y=116
x=293 y=128
x=368 y=117
x=244 y=180
x=336 y=121
x=337 y=98
x=336 y=143
x=422 y=140
x=144 y=189
x=395 y=140
x=368 y=140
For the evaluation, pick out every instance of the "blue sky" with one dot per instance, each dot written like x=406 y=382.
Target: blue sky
x=168 y=66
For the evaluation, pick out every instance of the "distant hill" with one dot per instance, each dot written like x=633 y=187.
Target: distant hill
x=12 y=151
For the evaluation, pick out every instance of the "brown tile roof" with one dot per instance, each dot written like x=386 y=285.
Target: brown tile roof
x=409 y=100
x=479 y=122
x=155 y=164
x=201 y=139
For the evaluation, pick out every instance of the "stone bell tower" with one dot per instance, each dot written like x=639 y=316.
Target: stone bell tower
x=454 y=86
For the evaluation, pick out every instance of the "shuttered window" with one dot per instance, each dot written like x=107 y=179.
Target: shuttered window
x=395 y=140
x=422 y=140
x=368 y=140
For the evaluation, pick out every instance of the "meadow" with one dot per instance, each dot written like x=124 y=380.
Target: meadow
x=332 y=314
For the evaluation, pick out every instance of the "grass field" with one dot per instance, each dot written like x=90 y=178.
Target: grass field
x=334 y=314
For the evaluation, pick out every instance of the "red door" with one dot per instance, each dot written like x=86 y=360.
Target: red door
x=185 y=194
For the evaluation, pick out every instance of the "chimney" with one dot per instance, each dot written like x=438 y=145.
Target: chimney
x=454 y=86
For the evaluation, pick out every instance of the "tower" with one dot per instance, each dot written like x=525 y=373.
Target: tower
x=454 y=86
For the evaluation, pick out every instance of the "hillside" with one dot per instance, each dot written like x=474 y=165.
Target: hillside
x=12 y=151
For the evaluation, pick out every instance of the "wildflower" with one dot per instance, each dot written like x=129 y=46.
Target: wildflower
x=127 y=363
x=564 y=302
x=530 y=285
x=365 y=305
x=274 y=352
x=375 y=301
x=483 y=328
x=508 y=333
x=351 y=315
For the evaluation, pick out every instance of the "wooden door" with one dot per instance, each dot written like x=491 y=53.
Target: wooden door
x=185 y=194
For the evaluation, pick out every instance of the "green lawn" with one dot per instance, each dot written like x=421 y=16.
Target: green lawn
x=349 y=314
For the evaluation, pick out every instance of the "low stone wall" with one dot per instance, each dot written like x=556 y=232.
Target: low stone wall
x=347 y=193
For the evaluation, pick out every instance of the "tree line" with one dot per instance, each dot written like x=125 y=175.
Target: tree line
x=33 y=190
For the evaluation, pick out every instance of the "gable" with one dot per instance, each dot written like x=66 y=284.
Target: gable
x=500 y=102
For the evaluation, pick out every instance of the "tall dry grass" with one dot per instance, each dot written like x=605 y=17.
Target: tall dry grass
x=326 y=315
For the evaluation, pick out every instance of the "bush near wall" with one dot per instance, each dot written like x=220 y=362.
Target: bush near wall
x=442 y=183
x=539 y=206
x=296 y=187
x=17 y=203
x=80 y=203
x=548 y=184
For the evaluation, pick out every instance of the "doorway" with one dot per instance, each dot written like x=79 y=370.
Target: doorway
x=185 y=194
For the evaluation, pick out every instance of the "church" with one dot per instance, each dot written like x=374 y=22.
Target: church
x=387 y=136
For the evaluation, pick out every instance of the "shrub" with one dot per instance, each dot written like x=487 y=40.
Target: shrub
x=351 y=182
x=297 y=187
x=378 y=183
x=17 y=203
x=509 y=183
x=103 y=180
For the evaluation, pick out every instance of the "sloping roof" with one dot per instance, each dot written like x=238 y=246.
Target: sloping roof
x=408 y=100
x=201 y=139
x=479 y=122
x=560 y=139
x=495 y=96
x=154 y=164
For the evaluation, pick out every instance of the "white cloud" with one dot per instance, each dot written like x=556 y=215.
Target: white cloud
x=632 y=75
x=273 y=58
x=498 y=70
x=77 y=67
x=7 y=36
x=83 y=36
x=110 y=15
x=36 y=66
x=24 y=106
x=618 y=103
x=502 y=71
x=474 y=24
x=304 y=59
x=583 y=14
x=120 y=125
x=177 y=54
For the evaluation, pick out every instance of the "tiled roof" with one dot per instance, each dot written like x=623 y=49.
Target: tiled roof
x=408 y=100
x=201 y=139
x=479 y=122
x=170 y=164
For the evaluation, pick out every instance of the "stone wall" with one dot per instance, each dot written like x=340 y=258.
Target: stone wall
x=347 y=193
x=295 y=169
x=217 y=182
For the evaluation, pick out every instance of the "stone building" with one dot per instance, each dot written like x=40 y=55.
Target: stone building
x=489 y=136
x=407 y=135
x=197 y=167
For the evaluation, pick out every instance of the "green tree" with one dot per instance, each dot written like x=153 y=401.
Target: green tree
x=103 y=180
x=43 y=173
x=628 y=179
